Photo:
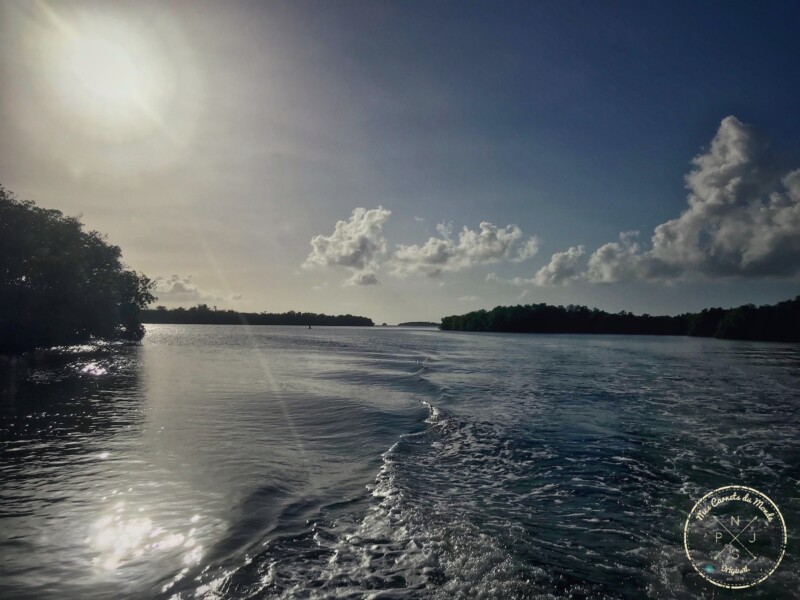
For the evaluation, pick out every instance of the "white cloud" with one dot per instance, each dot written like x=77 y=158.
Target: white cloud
x=419 y=219
x=362 y=278
x=528 y=250
x=563 y=268
x=489 y=244
x=357 y=244
x=743 y=219
x=522 y=281
x=614 y=261
x=182 y=290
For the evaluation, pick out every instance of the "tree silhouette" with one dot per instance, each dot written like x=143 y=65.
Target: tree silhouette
x=203 y=315
x=779 y=322
x=62 y=285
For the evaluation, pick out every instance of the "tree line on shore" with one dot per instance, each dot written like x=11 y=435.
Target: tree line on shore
x=202 y=314
x=61 y=285
x=778 y=322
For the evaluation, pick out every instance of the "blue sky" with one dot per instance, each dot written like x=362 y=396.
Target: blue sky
x=267 y=123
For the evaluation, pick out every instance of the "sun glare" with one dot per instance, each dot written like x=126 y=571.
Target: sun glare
x=106 y=71
x=107 y=75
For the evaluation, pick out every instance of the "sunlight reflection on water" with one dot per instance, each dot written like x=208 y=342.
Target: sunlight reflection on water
x=94 y=368
x=122 y=536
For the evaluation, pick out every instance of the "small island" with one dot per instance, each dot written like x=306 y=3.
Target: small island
x=202 y=314
x=779 y=322
x=418 y=324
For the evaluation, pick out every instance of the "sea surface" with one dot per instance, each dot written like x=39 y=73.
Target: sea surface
x=278 y=462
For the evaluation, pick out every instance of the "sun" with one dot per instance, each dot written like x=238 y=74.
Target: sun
x=107 y=76
x=107 y=92
x=105 y=72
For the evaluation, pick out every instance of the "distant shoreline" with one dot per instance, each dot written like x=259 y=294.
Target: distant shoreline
x=264 y=325
x=203 y=315
x=769 y=323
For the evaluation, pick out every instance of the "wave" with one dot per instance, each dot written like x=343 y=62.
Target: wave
x=515 y=488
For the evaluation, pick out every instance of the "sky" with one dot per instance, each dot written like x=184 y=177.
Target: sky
x=412 y=160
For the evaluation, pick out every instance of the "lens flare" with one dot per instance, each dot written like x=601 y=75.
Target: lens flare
x=105 y=70
x=106 y=74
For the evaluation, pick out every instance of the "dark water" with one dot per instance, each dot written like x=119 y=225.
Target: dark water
x=223 y=462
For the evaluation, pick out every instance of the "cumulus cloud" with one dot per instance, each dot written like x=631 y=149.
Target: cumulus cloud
x=743 y=219
x=356 y=244
x=182 y=290
x=489 y=244
x=359 y=245
x=527 y=250
x=563 y=268
x=615 y=261
x=362 y=278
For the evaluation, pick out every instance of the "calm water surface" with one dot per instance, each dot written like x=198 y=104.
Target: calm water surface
x=224 y=462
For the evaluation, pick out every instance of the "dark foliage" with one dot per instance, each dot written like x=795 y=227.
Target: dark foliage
x=779 y=322
x=202 y=314
x=418 y=324
x=61 y=285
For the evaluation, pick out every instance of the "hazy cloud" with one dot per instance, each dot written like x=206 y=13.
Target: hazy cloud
x=489 y=244
x=516 y=281
x=469 y=299
x=564 y=267
x=356 y=244
x=527 y=250
x=743 y=219
x=362 y=278
x=182 y=290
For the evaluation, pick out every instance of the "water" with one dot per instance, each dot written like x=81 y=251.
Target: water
x=224 y=462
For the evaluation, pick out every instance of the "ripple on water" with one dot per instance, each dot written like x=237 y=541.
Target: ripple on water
x=224 y=463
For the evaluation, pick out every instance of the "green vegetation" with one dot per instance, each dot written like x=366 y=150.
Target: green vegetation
x=202 y=314
x=61 y=285
x=418 y=324
x=779 y=322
